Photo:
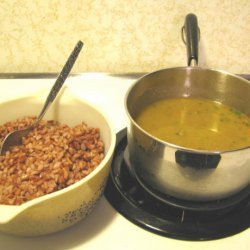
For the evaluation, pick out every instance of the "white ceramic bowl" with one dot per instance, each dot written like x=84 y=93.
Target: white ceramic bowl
x=61 y=209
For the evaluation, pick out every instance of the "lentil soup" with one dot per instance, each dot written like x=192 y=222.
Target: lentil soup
x=196 y=123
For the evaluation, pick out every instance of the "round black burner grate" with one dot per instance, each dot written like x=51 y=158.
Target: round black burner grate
x=129 y=198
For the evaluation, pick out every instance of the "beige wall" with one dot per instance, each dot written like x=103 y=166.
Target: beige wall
x=121 y=35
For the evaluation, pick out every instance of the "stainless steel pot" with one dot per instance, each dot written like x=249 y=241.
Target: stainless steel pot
x=164 y=168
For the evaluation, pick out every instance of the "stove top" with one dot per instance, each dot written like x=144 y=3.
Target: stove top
x=172 y=217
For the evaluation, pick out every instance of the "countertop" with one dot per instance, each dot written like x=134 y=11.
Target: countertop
x=104 y=228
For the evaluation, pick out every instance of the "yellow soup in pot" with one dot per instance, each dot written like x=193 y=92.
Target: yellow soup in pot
x=196 y=123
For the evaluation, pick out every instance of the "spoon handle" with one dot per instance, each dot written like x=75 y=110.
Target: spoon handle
x=60 y=79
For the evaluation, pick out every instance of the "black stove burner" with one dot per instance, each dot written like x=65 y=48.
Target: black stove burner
x=175 y=219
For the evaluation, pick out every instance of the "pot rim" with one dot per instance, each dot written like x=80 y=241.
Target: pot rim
x=172 y=145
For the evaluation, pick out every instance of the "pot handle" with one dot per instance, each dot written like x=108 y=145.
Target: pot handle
x=191 y=36
x=197 y=160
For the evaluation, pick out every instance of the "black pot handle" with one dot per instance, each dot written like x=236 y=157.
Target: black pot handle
x=197 y=160
x=191 y=36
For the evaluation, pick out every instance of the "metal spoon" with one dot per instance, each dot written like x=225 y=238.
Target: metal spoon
x=15 y=137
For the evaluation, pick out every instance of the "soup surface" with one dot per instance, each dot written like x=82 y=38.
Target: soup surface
x=196 y=123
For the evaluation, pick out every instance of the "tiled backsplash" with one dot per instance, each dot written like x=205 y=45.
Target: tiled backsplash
x=121 y=36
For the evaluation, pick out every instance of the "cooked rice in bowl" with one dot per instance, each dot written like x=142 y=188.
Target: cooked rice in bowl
x=52 y=157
